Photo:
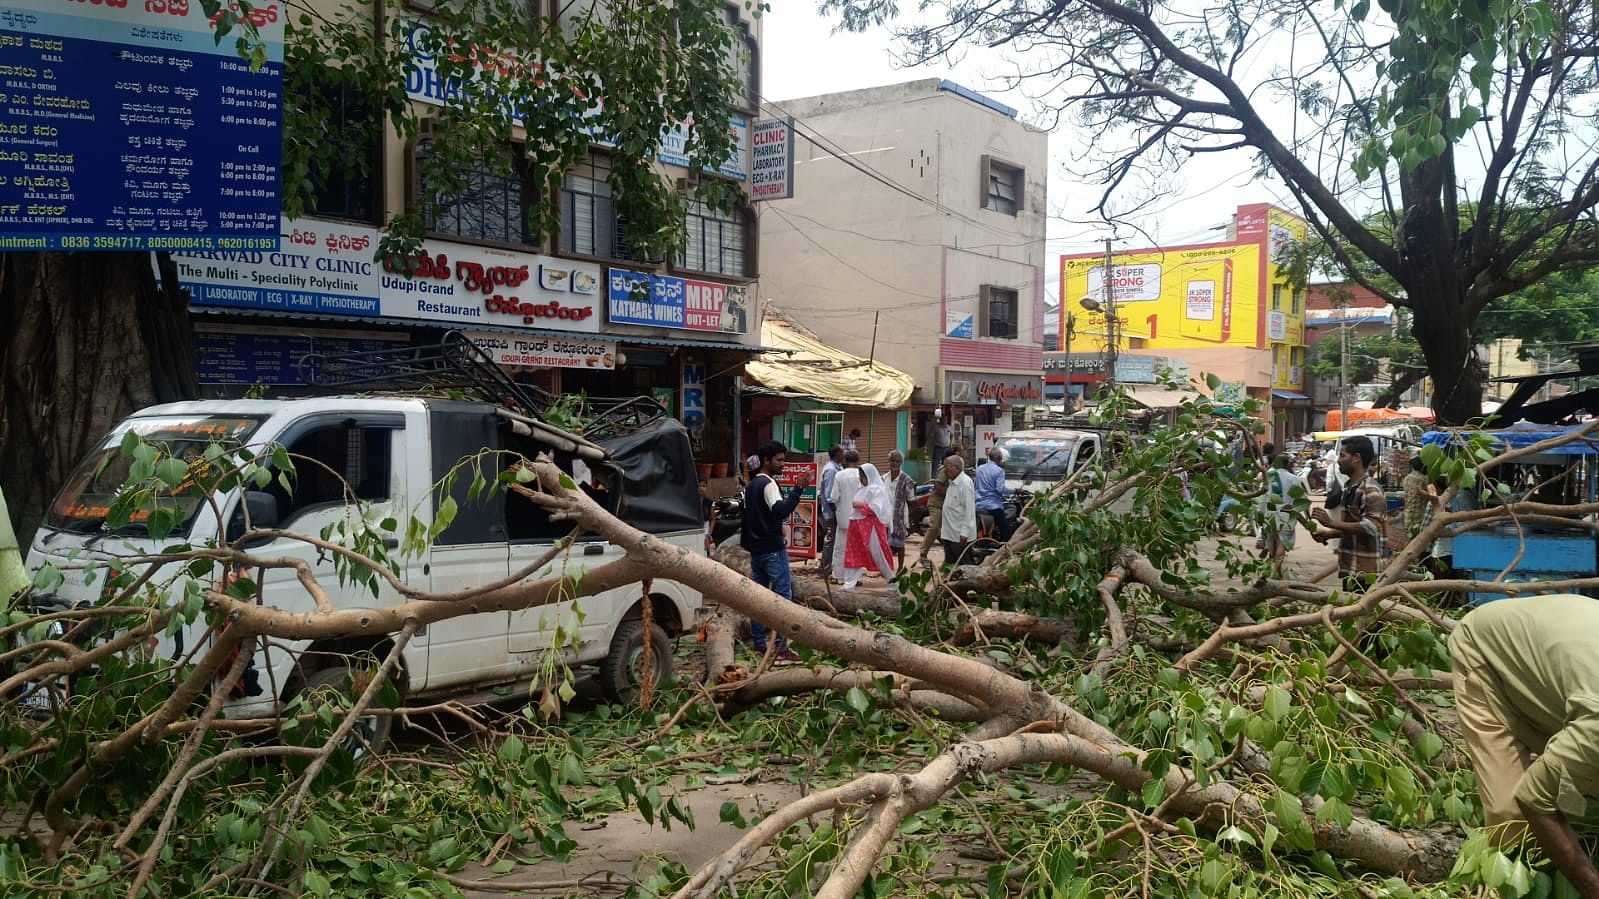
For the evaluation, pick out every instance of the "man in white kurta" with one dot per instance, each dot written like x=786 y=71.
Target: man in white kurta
x=959 y=526
x=845 y=485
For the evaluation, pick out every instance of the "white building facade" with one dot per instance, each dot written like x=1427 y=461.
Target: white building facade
x=915 y=236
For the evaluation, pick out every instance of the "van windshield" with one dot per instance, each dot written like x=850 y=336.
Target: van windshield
x=1038 y=459
x=82 y=505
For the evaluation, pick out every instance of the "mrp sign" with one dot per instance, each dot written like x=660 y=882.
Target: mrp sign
x=694 y=395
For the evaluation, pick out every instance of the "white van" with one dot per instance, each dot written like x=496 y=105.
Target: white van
x=1036 y=460
x=391 y=452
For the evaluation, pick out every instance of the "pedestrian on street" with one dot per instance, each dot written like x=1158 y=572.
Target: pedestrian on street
x=1283 y=524
x=938 y=439
x=1361 y=527
x=824 y=494
x=846 y=483
x=959 y=526
x=902 y=488
x=851 y=443
x=935 y=509
x=1418 y=496
x=991 y=493
x=872 y=509
x=765 y=510
x=1527 y=684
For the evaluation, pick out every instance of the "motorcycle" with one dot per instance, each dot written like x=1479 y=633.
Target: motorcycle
x=729 y=518
x=919 y=507
x=986 y=545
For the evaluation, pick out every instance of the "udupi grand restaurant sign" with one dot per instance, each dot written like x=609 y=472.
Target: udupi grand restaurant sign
x=328 y=268
x=968 y=388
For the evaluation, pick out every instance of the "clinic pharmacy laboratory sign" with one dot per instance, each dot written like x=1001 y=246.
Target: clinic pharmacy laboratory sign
x=126 y=125
x=328 y=268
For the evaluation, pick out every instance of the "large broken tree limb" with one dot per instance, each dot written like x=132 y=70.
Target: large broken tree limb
x=1013 y=703
x=902 y=691
x=1425 y=855
x=993 y=623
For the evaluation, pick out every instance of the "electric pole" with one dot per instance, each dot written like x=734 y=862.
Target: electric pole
x=1110 y=321
x=1343 y=369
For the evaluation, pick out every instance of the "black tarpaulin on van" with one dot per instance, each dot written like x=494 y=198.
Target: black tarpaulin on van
x=660 y=492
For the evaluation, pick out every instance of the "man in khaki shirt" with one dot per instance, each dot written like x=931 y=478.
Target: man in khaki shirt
x=1527 y=690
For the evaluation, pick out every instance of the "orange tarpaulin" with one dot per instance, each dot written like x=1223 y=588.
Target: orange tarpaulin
x=1335 y=418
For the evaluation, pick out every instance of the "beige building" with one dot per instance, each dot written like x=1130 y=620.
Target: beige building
x=915 y=236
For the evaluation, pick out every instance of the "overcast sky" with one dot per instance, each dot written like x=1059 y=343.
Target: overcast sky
x=803 y=58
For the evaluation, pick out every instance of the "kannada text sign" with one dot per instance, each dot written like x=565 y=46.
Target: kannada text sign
x=129 y=127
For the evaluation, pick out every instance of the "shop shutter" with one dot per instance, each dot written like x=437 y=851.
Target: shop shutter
x=879 y=433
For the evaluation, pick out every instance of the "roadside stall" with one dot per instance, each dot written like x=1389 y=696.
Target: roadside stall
x=1530 y=550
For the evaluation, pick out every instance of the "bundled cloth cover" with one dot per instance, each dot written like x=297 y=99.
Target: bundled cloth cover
x=660 y=488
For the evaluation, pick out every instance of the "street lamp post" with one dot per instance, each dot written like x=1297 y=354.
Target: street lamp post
x=1107 y=306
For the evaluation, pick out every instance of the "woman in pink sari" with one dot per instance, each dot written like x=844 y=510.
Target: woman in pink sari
x=867 y=545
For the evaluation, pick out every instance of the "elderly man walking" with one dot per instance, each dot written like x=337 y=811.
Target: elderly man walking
x=959 y=526
x=935 y=509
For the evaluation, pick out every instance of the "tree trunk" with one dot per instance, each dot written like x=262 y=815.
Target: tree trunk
x=89 y=338
x=1444 y=335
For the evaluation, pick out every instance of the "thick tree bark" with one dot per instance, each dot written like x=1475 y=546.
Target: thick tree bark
x=1443 y=330
x=88 y=338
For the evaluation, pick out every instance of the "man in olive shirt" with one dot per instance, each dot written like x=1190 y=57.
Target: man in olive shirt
x=1527 y=684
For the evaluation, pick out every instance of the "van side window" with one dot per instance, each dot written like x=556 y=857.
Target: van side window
x=527 y=521
x=1086 y=455
x=360 y=456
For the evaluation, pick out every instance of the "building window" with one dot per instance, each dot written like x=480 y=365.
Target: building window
x=1002 y=186
x=741 y=60
x=588 y=218
x=488 y=203
x=347 y=188
x=572 y=14
x=1296 y=357
x=999 y=313
x=1276 y=298
x=715 y=242
x=1297 y=301
x=590 y=225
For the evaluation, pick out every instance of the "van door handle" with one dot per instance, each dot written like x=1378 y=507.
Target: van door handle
x=594 y=549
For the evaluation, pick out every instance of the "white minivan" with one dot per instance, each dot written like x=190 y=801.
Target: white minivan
x=391 y=452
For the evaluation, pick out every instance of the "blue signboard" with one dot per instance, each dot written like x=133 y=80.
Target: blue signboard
x=131 y=128
x=230 y=358
x=635 y=298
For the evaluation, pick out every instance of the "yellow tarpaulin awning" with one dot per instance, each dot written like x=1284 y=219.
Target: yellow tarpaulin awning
x=814 y=369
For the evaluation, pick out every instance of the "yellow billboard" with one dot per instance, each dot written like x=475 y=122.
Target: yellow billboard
x=1203 y=296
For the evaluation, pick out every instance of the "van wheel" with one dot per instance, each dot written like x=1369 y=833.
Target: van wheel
x=622 y=671
x=370 y=732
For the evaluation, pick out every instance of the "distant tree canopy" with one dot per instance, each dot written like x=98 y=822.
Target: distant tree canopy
x=1446 y=145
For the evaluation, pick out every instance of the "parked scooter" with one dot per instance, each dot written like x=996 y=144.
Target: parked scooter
x=919 y=510
x=986 y=545
x=729 y=511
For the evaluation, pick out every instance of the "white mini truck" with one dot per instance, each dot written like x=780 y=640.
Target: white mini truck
x=392 y=451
